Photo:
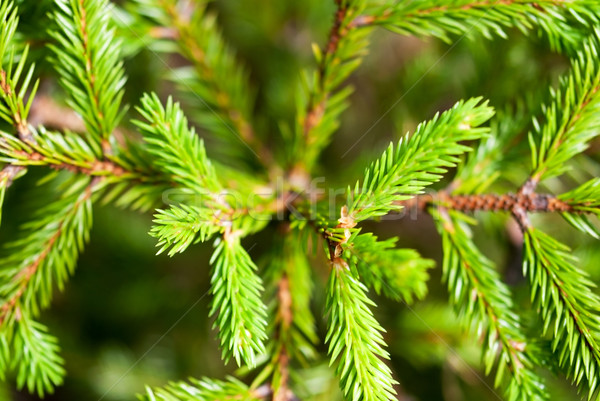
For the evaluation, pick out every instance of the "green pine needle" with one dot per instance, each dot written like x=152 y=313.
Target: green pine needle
x=569 y=307
x=87 y=58
x=564 y=25
x=203 y=390
x=240 y=313
x=573 y=116
x=418 y=161
x=356 y=345
x=484 y=304
x=399 y=274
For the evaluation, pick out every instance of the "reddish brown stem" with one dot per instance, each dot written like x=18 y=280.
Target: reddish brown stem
x=491 y=202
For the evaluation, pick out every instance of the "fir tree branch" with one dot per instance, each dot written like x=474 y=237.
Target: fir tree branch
x=206 y=390
x=240 y=312
x=320 y=102
x=87 y=60
x=32 y=354
x=400 y=274
x=15 y=92
x=405 y=170
x=354 y=338
x=572 y=118
x=489 y=17
x=48 y=253
x=483 y=303
x=215 y=78
x=582 y=200
x=542 y=203
x=568 y=304
x=66 y=151
x=42 y=259
x=293 y=325
x=177 y=150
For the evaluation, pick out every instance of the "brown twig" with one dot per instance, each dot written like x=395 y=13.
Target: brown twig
x=284 y=321
x=531 y=202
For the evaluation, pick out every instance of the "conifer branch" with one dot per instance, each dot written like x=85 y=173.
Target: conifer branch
x=405 y=170
x=47 y=255
x=178 y=151
x=399 y=274
x=88 y=62
x=35 y=264
x=563 y=24
x=483 y=303
x=240 y=312
x=215 y=80
x=354 y=338
x=206 y=390
x=32 y=354
x=321 y=102
x=293 y=325
x=16 y=94
x=568 y=304
x=572 y=118
x=537 y=203
x=583 y=200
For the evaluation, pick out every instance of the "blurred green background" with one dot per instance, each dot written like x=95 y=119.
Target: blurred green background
x=129 y=319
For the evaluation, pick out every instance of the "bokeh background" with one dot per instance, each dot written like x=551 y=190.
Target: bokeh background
x=128 y=318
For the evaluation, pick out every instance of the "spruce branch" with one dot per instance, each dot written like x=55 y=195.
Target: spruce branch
x=498 y=152
x=240 y=312
x=581 y=200
x=88 y=62
x=321 y=102
x=16 y=93
x=484 y=304
x=399 y=274
x=40 y=260
x=46 y=255
x=354 y=338
x=32 y=354
x=405 y=170
x=563 y=24
x=206 y=390
x=568 y=304
x=215 y=83
x=177 y=150
x=572 y=117
x=128 y=179
x=292 y=330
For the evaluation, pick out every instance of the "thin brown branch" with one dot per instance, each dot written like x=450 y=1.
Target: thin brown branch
x=9 y=173
x=283 y=320
x=317 y=103
x=490 y=202
x=94 y=168
x=45 y=111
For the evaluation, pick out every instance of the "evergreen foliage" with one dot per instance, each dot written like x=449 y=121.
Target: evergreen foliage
x=153 y=158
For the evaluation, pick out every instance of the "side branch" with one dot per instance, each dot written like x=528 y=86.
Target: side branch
x=183 y=32
x=491 y=202
x=317 y=103
x=27 y=273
